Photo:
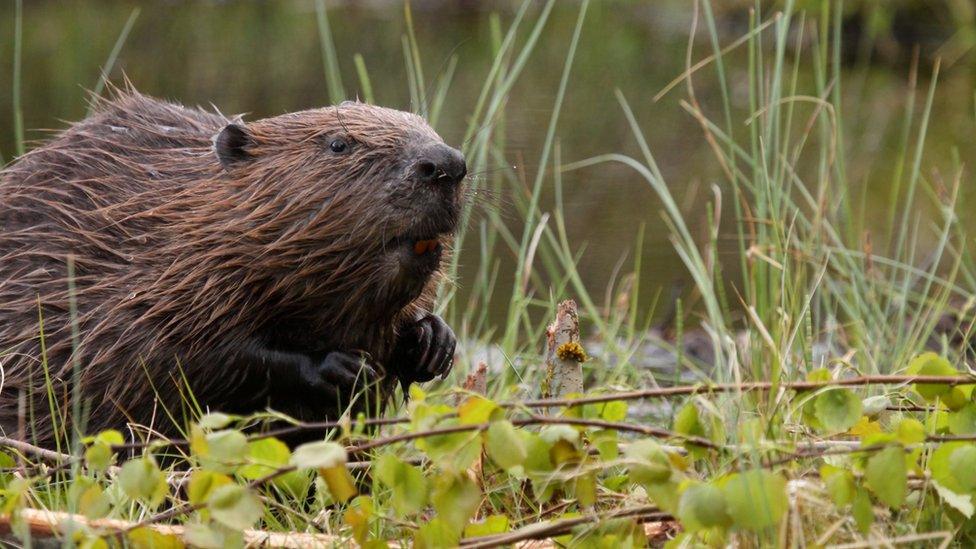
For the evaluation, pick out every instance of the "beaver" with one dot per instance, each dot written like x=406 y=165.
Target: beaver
x=159 y=261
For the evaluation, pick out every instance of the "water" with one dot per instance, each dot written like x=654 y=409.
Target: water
x=263 y=58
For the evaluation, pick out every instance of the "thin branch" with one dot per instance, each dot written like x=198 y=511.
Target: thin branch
x=30 y=449
x=644 y=513
x=745 y=387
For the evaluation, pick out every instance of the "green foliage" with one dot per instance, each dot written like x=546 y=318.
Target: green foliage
x=756 y=500
x=142 y=480
x=886 y=476
x=931 y=364
x=703 y=506
x=234 y=506
x=837 y=410
x=504 y=445
x=406 y=482
x=99 y=454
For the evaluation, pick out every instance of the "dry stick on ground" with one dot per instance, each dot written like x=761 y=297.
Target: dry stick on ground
x=44 y=523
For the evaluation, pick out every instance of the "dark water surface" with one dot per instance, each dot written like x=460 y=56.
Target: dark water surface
x=264 y=58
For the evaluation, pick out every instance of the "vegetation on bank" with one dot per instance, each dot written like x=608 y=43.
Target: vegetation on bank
x=835 y=405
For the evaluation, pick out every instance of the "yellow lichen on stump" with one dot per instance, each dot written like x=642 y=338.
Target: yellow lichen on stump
x=572 y=350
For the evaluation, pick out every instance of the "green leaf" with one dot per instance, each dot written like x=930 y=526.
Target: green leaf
x=606 y=443
x=110 y=437
x=956 y=397
x=687 y=422
x=960 y=502
x=874 y=406
x=584 y=489
x=862 y=512
x=931 y=364
x=537 y=458
x=492 y=524
x=6 y=462
x=341 y=485
x=564 y=443
x=818 y=375
x=910 y=431
x=215 y=420
x=652 y=464
x=649 y=465
x=89 y=499
x=266 y=455
x=436 y=534
x=147 y=538
x=98 y=456
x=203 y=483
x=456 y=498
x=941 y=468
x=555 y=433
x=840 y=484
x=141 y=479
x=615 y=410
x=837 y=410
x=476 y=409
x=358 y=516
x=962 y=465
x=756 y=500
x=886 y=476
x=504 y=445
x=453 y=452
x=664 y=494
x=225 y=450
x=963 y=421
x=319 y=455
x=407 y=483
x=205 y=537
x=703 y=506
x=235 y=506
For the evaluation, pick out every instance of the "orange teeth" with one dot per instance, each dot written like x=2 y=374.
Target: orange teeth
x=423 y=246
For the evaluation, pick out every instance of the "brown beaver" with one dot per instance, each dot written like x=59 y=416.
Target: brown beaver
x=173 y=256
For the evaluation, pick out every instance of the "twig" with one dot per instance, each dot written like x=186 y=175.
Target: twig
x=644 y=513
x=26 y=448
x=533 y=420
x=745 y=387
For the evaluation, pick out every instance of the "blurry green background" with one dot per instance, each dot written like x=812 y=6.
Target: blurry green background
x=264 y=58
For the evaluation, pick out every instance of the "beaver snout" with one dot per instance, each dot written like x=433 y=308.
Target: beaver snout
x=439 y=164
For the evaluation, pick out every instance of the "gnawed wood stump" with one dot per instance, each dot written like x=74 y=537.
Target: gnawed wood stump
x=564 y=354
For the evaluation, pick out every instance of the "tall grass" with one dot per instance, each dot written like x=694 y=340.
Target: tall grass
x=800 y=277
x=17 y=108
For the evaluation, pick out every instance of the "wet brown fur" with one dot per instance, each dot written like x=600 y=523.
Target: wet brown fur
x=175 y=256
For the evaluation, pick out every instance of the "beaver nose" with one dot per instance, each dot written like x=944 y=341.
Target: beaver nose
x=440 y=164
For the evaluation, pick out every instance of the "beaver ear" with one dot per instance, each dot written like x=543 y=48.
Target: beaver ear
x=231 y=145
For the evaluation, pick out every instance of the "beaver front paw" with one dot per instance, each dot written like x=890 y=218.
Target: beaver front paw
x=338 y=378
x=425 y=350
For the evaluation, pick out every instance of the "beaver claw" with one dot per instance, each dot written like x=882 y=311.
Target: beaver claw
x=425 y=350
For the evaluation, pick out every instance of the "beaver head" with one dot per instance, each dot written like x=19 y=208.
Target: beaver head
x=357 y=201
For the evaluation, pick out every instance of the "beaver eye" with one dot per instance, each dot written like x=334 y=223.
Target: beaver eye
x=338 y=146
